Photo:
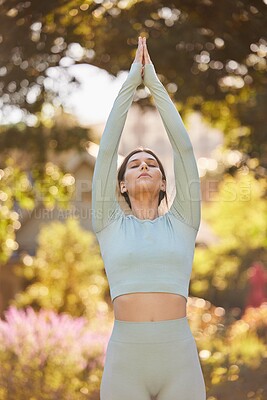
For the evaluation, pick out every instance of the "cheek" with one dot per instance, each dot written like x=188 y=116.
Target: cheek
x=129 y=176
x=158 y=175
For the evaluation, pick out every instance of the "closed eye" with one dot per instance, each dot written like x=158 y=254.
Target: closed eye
x=150 y=165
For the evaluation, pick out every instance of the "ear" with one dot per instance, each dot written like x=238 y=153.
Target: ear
x=123 y=187
x=163 y=185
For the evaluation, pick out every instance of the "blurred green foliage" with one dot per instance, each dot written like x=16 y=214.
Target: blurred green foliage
x=23 y=191
x=237 y=213
x=67 y=273
x=47 y=137
x=233 y=352
x=200 y=60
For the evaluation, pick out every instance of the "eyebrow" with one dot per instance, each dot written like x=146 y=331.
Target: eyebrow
x=137 y=159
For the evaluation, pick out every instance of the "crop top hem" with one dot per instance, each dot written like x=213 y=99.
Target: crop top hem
x=134 y=287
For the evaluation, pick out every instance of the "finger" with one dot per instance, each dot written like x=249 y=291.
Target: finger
x=139 y=50
x=145 y=46
x=146 y=54
x=139 y=45
x=142 y=52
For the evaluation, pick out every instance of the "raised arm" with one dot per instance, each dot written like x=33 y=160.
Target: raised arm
x=187 y=201
x=104 y=202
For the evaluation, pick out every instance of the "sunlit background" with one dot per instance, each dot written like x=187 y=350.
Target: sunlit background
x=61 y=67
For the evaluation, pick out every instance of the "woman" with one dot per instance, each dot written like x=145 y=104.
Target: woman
x=148 y=258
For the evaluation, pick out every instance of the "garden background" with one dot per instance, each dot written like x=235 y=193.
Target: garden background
x=56 y=312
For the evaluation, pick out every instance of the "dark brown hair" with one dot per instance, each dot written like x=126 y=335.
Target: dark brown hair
x=122 y=169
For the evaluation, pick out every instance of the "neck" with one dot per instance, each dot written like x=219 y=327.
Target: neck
x=145 y=209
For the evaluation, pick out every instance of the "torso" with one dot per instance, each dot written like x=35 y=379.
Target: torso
x=151 y=306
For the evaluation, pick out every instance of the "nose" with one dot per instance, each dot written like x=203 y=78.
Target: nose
x=143 y=165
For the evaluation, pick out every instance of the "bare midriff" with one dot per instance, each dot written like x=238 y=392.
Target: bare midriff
x=151 y=306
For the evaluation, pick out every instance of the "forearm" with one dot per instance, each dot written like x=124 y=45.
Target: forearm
x=104 y=178
x=187 y=200
x=169 y=114
x=117 y=117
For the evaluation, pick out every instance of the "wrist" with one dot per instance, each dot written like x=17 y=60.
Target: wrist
x=135 y=73
x=150 y=75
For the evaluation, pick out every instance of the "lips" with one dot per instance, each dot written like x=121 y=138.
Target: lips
x=144 y=175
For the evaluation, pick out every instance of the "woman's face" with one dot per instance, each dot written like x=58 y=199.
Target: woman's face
x=142 y=175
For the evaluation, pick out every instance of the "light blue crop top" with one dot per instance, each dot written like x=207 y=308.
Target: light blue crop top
x=146 y=255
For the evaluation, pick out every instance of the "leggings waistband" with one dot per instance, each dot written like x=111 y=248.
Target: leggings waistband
x=151 y=331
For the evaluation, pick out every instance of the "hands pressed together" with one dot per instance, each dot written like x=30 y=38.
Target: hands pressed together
x=142 y=55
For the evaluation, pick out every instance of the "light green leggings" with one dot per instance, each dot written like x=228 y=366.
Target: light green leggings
x=152 y=360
